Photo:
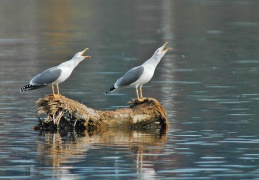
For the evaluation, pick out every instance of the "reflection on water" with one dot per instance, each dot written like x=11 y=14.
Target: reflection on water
x=208 y=84
x=73 y=150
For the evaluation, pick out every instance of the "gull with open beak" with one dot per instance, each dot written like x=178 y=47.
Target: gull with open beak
x=55 y=75
x=140 y=75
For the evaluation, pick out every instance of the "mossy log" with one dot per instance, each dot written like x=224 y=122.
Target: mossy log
x=61 y=113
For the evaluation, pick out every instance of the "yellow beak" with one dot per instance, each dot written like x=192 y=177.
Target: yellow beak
x=84 y=52
x=163 y=47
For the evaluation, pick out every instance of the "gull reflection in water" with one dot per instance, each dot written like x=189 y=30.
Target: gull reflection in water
x=133 y=148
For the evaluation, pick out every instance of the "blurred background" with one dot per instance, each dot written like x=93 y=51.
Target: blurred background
x=208 y=83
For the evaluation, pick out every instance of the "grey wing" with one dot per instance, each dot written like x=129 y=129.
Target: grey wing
x=46 y=77
x=130 y=77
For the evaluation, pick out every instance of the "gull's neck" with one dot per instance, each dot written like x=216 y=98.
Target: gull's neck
x=153 y=61
x=71 y=63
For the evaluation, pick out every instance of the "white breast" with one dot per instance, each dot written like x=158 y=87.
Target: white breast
x=145 y=77
x=66 y=72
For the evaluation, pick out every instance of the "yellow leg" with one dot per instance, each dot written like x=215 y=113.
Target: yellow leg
x=137 y=92
x=53 y=90
x=140 y=90
x=58 y=89
x=57 y=95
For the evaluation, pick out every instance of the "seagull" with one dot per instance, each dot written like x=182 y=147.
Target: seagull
x=55 y=75
x=140 y=75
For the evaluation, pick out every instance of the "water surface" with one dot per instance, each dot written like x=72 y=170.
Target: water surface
x=208 y=84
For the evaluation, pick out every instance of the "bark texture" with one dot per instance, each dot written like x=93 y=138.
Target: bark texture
x=62 y=113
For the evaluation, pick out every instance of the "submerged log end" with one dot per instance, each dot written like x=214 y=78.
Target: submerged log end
x=62 y=113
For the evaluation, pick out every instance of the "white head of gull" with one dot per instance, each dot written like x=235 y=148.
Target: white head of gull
x=140 y=75
x=55 y=75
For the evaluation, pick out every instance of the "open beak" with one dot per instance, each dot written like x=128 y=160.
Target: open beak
x=163 y=47
x=82 y=53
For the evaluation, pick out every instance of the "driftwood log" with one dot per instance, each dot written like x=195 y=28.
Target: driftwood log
x=62 y=113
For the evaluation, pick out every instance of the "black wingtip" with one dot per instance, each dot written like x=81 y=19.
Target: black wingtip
x=25 y=88
x=30 y=87
x=110 y=90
